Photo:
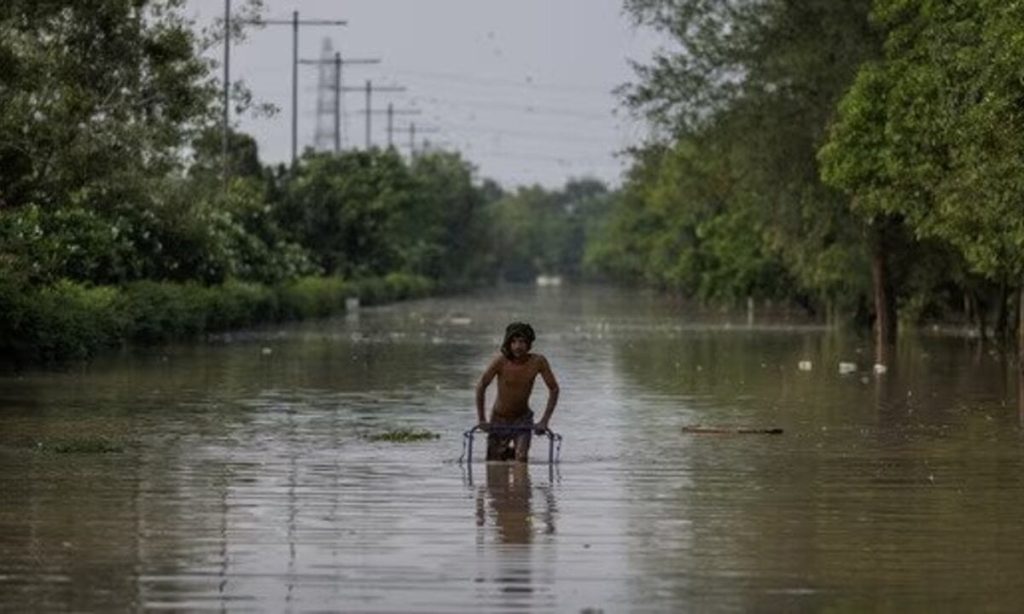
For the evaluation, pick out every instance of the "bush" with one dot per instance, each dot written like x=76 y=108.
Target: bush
x=239 y=304
x=72 y=321
x=313 y=297
x=60 y=322
x=164 y=311
x=405 y=286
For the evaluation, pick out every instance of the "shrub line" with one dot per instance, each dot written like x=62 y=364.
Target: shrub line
x=71 y=321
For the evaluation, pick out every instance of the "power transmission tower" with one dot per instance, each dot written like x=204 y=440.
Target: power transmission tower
x=336 y=65
x=323 y=138
x=295 y=22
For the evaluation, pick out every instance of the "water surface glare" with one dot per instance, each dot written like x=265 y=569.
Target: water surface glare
x=240 y=474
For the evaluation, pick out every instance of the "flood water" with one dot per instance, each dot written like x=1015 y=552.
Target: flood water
x=242 y=474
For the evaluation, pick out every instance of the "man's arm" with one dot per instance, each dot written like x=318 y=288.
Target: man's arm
x=481 y=389
x=552 y=384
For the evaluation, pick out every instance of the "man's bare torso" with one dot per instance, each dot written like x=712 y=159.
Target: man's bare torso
x=515 y=384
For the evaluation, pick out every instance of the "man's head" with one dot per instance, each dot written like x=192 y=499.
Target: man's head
x=519 y=338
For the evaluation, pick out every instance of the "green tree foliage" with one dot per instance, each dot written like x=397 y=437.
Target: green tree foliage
x=347 y=210
x=545 y=232
x=98 y=97
x=679 y=226
x=931 y=133
x=587 y=204
x=728 y=201
x=447 y=229
x=207 y=165
x=371 y=212
x=952 y=156
x=741 y=101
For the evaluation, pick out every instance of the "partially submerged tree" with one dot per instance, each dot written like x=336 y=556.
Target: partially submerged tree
x=747 y=87
x=933 y=133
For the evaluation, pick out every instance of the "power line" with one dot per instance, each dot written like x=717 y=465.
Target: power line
x=413 y=130
x=530 y=109
x=491 y=81
x=563 y=160
x=558 y=136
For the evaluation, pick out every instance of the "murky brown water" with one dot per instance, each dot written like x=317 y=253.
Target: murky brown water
x=245 y=479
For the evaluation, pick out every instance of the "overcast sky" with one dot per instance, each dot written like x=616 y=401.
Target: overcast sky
x=522 y=87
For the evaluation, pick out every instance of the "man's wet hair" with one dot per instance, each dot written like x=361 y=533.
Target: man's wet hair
x=517 y=329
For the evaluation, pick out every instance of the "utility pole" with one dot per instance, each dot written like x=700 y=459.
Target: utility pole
x=412 y=129
x=294 y=22
x=391 y=112
x=337 y=102
x=338 y=63
x=369 y=104
x=227 y=94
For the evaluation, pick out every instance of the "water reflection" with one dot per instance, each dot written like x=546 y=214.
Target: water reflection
x=512 y=513
x=507 y=501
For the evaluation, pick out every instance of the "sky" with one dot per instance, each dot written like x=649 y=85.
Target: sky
x=523 y=88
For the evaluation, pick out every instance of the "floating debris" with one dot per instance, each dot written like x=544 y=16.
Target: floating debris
x=403 y=436
x=804 y=365
x=845 y=368
x=80 y=445
x=880 y=368
x=730 y=430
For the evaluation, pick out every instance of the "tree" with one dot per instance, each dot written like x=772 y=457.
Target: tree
x=97 y=97
x=752 y=85
x=447 y=234
x=933 y=131
x=544 y=232
x=347 y=210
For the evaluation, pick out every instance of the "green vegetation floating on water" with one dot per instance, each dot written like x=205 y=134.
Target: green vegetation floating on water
x=80 y=445
x=403 y=435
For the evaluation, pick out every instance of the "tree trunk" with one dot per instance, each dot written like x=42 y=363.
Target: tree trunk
x=981 y=308
x=968 y=308
x=1020 y=329
x=885 y=302
x=1002 y=332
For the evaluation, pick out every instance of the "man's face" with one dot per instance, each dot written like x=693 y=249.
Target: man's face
x=518 y=346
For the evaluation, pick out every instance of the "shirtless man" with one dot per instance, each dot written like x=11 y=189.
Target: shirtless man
x=516 y=369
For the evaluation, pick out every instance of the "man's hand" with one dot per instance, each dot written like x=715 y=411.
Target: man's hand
x=540 y=428
x=484 y=426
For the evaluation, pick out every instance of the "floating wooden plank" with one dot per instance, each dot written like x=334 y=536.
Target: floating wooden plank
x=725 y=430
